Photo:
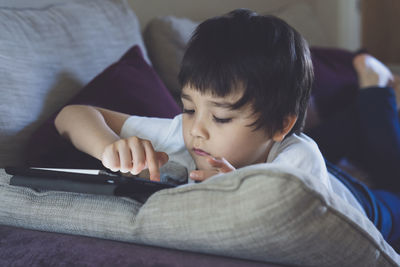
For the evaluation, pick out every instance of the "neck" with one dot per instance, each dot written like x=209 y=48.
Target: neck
x=264 y=156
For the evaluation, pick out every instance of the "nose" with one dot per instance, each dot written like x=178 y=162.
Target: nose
x=199 y=129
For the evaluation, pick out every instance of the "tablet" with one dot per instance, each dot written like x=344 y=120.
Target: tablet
x=84 y=181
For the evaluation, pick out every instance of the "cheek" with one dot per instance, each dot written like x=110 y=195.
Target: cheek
x=235 y=150
x=229 y=145
x=242 y=150
x=185 y=131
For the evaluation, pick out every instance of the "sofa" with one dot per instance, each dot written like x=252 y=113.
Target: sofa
x=93 y=52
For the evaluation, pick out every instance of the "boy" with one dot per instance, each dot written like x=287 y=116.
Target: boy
x=246 y=82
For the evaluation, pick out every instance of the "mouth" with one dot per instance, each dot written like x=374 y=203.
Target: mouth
x=200 y=152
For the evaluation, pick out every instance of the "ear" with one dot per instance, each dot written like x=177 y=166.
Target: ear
x=288 y=124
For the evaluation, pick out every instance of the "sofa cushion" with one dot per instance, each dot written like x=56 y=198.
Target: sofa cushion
x=166 y=39
x=264 y=212
x=22 y=247
x=48 y=54
x=130 y=86
x=336 y=84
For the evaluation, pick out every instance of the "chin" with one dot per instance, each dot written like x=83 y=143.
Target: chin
x=201 y=163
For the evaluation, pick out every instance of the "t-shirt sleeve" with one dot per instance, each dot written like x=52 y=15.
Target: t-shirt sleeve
x=303 y=153
x=158 y=130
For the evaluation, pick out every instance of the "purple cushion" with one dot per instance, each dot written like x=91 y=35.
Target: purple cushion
x=336 y=84
x=129 y=86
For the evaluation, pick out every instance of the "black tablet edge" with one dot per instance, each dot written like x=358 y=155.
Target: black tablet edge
x=102 y=178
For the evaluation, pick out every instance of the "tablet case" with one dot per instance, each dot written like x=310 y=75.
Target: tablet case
x=104 y=183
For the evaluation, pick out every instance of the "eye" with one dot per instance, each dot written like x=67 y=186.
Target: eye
x=188 y=111
x=220 y=120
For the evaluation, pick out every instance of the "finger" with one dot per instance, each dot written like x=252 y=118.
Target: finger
x=151 y=160
x=162 y=158
x=202 y=175
x=137 y=154
x=221 y=164
x=110 y=158
x=125 y=156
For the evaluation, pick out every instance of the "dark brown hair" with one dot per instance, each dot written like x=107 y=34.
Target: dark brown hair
x=263 y=55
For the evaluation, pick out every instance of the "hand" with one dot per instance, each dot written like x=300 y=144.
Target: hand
x=220 y=165
x=133 y=155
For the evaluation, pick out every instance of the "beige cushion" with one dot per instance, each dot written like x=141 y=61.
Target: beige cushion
x=166 y=39
x=47 y=54
x=264 y=212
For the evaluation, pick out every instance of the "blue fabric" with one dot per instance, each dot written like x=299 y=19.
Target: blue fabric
x=368 y=132
x=380 y=136
x=389 y=204
x=382 y=207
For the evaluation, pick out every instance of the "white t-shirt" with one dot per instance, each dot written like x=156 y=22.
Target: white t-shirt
x=302 y=152
x=297 y=150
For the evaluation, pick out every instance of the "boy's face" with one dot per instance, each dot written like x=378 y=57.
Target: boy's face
x=211 y=128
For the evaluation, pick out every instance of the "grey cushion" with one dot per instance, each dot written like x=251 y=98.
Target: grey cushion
x=47 y=54
x=81 y=214
x=262 y=212
x=166 y=39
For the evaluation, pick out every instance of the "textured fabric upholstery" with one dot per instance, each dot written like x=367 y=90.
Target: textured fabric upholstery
x=262 y=212
x=48 y=54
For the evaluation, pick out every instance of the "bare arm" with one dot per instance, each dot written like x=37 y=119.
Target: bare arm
x=90 y=129
x=95 y=131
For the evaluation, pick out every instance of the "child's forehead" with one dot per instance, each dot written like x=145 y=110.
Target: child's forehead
x=190 y=92
x=228 y=102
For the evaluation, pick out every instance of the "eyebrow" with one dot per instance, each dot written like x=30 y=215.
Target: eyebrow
x=226 y=105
